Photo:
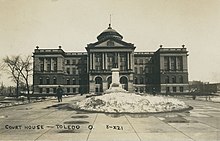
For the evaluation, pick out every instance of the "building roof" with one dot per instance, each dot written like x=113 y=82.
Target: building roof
x=109 y=33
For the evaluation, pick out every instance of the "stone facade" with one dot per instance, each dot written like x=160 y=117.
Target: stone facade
x=163 y=71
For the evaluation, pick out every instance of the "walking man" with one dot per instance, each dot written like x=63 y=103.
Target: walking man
x=59 y=93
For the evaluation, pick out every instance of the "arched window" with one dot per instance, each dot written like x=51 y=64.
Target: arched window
x=98 y=80
x=54 y=80
x=180 y=79
x=68 y=81
x=135 y=80
x=173 y=79
x=48 y=81
x=141 y=80
x=40 y=81
x=167 y=79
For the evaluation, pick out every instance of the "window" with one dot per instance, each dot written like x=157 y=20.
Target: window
x=141 y=70
x=141 y=61
x=174 y=89
x=135 y=80
x=180 y=79
x=68 y=82
x=173 y=79
x=54 y=90
x=141 y=80
x=135 y=61
x=167 y=89
x=167 y=79
x=68 y=90
x=68 y=70
x=41 y=90
x=166 y=63
x=74 y=62
x=74 y=90
x=41 y=64
x=74 y=81
x=135 y=70
x=47 y=90
x=54 y=80
x=55 y=64
x=97 y=67
x=48 y=64
x=48 y=81
x=181 y=89
x=41 y=81
x=67 y=62
x=173 y=63
x=180 y=63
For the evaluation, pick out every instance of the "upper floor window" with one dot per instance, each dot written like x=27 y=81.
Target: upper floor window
x=166 y=63
x=173 y=79
x=135 y=61
x=167 y=79
x=48 y=81
x=74 y=62
x=173 y=63
x=180 y=79
x=179 y=63
x=68 y=82
x=54 y=80
x=68 y=70
x=135 y=80
x=141 y=70
x=141 y=62
x=41 y=81
x=67 y=62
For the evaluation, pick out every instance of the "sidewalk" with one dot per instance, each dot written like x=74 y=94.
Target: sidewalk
x=57 y=121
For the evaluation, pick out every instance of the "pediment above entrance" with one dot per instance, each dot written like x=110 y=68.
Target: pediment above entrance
x=110 y=43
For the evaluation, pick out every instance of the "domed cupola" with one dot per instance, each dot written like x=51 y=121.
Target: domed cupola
x=109 y=33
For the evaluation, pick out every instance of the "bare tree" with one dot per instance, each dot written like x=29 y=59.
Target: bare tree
x=11 y=65
x=20 y=70
x=25 y=70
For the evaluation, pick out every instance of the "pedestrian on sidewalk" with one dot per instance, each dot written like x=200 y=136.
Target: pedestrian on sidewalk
x=59 y=93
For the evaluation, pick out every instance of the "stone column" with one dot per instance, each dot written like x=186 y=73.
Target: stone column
x=128 y=60
x=103 y=61
x=132 y=60
x=169 y=63
x=45 y=64
x=119 y=63
x=106 y=61
x=52 y=64
x=93 y=61
x=90 y=61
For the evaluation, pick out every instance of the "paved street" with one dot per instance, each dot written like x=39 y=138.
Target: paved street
x=50 y=120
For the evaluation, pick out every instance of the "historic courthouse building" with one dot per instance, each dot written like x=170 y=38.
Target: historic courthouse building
x=163 y=71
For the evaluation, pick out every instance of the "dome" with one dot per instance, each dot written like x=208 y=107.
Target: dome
x=109 y=32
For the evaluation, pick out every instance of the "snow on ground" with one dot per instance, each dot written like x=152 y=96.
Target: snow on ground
x=130 y=103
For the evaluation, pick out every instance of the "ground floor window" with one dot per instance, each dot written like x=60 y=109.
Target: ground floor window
x=68 y=90
x=47 y=90
x=174 y=89
x=167 y=89
x=41 y=90
x=54 y=90
x=74 y=90
x=181 y=89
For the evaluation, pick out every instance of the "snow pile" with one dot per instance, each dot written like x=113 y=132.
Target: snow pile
x=130 y=103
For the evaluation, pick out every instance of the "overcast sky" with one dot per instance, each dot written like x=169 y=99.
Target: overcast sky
x=146 y=23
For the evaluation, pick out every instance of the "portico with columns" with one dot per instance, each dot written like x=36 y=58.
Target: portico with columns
x=110 y=51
